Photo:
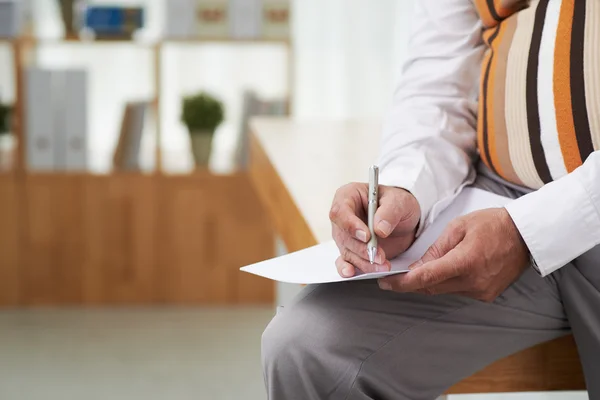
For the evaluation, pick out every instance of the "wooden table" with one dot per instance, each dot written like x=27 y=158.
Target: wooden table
x=296 y=168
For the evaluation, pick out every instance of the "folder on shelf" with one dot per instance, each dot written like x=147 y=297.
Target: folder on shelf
x=245 y=19
x=212 y=18
x=10 y=18
x=128 y=150
x=75 y=121
x=40 y=125
x=180 y=19
x=276 y=19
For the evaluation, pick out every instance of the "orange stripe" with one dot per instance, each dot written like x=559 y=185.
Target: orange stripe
x=485 y=14
x=562 y=87
x=490 y=103
x=482 y=110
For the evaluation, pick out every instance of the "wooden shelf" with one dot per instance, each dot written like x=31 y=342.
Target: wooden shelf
x=224 y=41
x=149 y=43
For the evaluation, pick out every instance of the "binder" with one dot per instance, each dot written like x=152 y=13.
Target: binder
x=245 y=19
x=40 y=140
x=276 y=19
x=10 y=18
x=180 y=20
x=75 y=116
x=128 y=150
x=212 y=19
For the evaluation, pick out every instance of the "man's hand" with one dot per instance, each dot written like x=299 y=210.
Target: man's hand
x=479 y=256
x=396 y=221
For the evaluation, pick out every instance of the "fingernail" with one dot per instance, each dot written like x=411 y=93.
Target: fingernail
x=383 y=285
x=416 y=264
x=379 y=259
x=381 y=268
x=385 y=227
x=361 y=235
x=347 y=271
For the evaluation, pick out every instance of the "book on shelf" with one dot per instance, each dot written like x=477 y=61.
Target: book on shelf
x=245 y=19
x=113 y=22
x=180 y=19
x=67 y=9
x=11 y=18
x=276 y=19
x=227 y=19
x=127 y=155
x=212 y=17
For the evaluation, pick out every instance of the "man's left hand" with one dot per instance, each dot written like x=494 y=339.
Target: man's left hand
x=479 y=255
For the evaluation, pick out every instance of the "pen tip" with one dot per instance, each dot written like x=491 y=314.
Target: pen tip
x=372 y=251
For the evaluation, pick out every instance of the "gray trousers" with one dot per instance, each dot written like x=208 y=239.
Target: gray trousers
x=353 y=341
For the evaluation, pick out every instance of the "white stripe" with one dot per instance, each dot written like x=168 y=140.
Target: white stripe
x=545 y=91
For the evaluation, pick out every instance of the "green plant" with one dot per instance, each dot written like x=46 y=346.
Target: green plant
x=5 y=112
x=202 y=112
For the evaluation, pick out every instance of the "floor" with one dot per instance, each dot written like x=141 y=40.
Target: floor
x=150 y=354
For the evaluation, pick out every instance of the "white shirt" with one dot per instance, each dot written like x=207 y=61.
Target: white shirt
x=429 y=139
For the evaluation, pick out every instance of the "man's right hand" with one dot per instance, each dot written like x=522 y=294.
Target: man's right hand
x=396 y=223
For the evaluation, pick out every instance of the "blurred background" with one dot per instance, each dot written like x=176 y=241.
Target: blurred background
x=125 y=209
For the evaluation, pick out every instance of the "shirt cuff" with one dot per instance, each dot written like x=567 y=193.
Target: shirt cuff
x=418 y=184
x=558 y=223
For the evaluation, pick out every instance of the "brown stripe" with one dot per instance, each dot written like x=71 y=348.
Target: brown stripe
x=562 y=87
x=505 y=167
x=516 y=100
x=484 y=13
x=578 y=95
x=493 y=12
x=533 y=118
x=486 y=97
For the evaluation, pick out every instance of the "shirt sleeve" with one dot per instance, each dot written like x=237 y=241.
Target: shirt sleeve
x=561 y=221
x=429 y=136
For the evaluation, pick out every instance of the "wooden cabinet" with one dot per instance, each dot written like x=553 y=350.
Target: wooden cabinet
x=131 y=239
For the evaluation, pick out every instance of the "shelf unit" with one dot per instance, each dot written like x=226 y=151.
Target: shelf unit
x=129 y=238
x=24 y=50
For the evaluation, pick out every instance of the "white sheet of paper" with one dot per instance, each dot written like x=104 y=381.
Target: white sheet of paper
x=317 y=264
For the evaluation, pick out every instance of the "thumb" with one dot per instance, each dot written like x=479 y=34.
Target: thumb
x=448 y=240
x=398 y=210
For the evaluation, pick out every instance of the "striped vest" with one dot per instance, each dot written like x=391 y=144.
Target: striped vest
x=539 y=104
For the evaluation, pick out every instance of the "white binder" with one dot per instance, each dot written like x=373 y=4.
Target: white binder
x=245 y=19
x=180 y=20
x=75 y=114
x=40 y=123
x=276 y=17
x=212 y=19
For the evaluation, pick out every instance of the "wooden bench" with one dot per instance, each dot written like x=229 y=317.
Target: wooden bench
x=296 y=168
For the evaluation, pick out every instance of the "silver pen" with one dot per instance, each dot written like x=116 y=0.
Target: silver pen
x=373 y=204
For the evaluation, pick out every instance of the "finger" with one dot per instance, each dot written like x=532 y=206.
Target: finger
x=345 y=269
x=343 y=240
x=451 y=286
x=345 y=218
x=448 y=240
x=431 y=274
x=395 y=207
x=362 y=264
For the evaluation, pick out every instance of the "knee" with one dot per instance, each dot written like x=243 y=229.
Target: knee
x=297 y=346
x=281 y=346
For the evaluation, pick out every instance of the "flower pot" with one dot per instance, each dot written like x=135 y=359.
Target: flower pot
x=7 y=147
x=201 y=147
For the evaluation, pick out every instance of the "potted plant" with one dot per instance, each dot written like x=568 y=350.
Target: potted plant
x=4 y=119
x=202 y=114
x=6 y=142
